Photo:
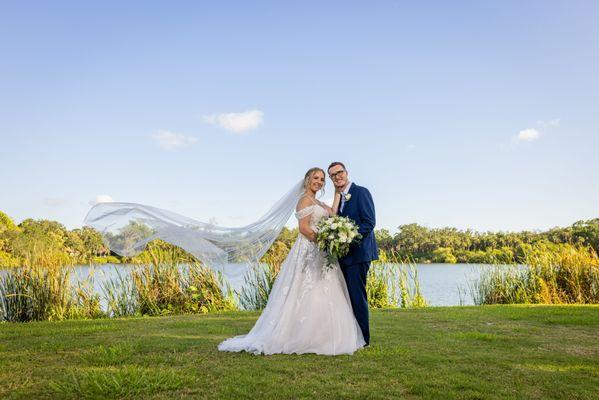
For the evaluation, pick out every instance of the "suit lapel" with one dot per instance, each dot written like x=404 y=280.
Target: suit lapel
x=351 y=189
x=351 y=195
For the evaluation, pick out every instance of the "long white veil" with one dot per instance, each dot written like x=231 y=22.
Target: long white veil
x=128 y=227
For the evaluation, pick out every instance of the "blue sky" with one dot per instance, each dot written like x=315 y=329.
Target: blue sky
x=481 y=115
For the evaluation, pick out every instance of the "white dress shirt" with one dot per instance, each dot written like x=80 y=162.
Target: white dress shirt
x=344 y=193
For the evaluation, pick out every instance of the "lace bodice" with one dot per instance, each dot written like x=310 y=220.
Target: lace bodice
x=308 y=251
x=316 y=211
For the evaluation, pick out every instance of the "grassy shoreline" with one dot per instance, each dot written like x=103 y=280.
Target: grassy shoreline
x=490 y=352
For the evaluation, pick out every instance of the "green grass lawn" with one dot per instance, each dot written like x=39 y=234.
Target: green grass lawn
x=489 y=352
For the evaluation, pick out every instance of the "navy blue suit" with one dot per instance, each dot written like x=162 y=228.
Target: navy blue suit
x=355 y=265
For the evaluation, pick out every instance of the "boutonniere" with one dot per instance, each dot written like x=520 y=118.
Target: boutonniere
x=346 y=197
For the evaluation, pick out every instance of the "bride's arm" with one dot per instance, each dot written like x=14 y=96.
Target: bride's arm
x=336 y=202
x=304 y=222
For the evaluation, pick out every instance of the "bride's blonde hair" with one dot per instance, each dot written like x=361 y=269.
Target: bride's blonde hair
x=309 y=176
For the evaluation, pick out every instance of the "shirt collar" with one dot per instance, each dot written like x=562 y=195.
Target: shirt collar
x=346 y=191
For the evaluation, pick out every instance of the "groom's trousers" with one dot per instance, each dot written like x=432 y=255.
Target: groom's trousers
x=355 y=277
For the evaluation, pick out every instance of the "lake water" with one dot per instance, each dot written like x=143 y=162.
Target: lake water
x=441 y=284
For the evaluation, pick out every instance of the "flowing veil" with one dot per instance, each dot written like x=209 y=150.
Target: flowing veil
x=128 y=227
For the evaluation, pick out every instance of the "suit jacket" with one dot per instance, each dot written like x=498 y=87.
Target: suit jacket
x=360 y=208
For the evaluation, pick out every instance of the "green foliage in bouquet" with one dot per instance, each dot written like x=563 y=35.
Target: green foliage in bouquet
x=335 y=236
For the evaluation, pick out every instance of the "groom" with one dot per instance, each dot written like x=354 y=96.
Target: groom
x=357 y=204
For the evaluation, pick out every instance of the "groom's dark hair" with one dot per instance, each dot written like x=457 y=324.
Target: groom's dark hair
x=336 y=163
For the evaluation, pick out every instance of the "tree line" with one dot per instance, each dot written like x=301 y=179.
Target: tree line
x=451 y=245
x=46 y=242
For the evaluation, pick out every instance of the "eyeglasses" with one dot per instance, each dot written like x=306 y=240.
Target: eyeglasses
x=334 y=175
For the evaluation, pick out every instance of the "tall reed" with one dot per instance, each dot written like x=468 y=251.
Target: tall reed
x=34 y=293
x=166 y=287
x=121 y=296
x=394 y=284
x=258 y=281
x=566 y=276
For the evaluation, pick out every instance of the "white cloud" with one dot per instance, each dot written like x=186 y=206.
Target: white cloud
x=528 y=135
x=551 y=124
x=532 y=134
x=411 y=146
x=171 y=140
x=101 y=198
x=236 y=122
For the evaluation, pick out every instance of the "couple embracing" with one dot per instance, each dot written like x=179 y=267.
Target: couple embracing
x=312 y=312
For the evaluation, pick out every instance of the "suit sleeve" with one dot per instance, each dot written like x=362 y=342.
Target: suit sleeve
x=367 y=216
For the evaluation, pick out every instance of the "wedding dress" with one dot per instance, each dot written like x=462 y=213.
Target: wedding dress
x=308 y=311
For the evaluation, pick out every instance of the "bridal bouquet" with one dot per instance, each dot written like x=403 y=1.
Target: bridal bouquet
x=335 y=235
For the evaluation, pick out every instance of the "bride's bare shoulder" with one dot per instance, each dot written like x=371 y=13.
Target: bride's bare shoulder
x=304 y=202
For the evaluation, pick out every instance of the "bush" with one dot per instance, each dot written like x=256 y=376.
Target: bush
x=444 y=255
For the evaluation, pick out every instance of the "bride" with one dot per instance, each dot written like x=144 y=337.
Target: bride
x=307 y=311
